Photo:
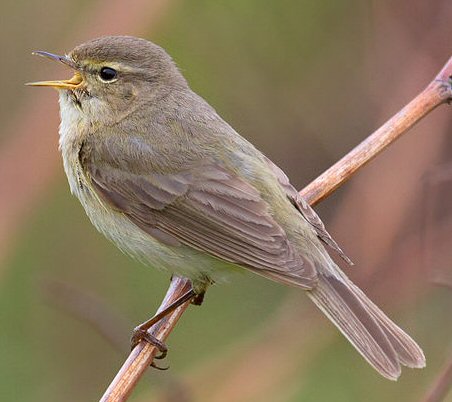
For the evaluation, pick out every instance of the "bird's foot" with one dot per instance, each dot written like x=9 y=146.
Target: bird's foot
x=139 y=334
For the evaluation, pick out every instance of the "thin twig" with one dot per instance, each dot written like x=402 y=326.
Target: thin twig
x=438 y=92
x=441 y=385
x=142 y=355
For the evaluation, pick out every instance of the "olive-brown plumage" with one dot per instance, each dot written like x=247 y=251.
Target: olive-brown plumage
x=171 y=183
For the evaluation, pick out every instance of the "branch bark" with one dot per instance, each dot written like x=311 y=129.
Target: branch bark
x=438 y=92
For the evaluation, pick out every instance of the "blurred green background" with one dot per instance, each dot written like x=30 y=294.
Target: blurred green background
x=304 y=81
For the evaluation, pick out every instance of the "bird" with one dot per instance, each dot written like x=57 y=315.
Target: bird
x=171 y=183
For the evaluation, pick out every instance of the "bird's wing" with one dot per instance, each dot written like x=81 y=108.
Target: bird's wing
x=305 y=209
x=208 y=208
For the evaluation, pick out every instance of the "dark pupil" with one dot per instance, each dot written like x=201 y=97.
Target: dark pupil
x=107 y=73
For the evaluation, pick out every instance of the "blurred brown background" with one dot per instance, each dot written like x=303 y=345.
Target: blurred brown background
x=305 y=81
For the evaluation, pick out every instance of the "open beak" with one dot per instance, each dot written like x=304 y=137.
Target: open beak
x=71 y=84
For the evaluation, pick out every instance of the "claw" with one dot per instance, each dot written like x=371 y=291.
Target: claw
x=158 y=367
x=162 y=354
x=143 y=335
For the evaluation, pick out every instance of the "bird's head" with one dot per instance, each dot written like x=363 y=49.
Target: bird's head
x=113 y=75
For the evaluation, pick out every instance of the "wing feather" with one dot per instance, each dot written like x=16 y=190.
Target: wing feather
x=308 y=213
x=205 y=207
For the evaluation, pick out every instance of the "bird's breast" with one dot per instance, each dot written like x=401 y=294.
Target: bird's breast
x=73 y=128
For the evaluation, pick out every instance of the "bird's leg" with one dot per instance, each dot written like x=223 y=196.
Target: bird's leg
x=140 y=333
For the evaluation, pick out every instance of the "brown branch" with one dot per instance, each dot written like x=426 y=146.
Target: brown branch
x=438 y=92
x=142 y=355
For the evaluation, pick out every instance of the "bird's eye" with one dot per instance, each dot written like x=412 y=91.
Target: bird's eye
x=107 y=74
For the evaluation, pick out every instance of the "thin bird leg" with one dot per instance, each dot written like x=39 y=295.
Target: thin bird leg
x=140 y=333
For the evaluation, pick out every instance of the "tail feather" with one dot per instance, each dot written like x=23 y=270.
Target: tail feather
x=408 y=351
x=381 y=342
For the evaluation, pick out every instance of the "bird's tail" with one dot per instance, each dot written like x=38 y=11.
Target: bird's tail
x=381 y=342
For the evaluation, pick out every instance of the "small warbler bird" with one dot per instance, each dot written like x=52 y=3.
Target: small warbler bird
x=165 y=178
